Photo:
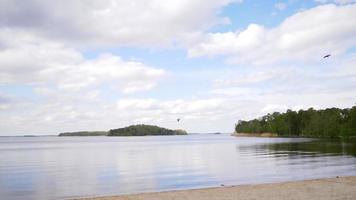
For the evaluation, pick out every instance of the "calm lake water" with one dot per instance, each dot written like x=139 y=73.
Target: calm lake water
x=68 y=167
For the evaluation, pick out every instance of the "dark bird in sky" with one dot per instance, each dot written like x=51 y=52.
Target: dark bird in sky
x=327 y=56
x=178 y=119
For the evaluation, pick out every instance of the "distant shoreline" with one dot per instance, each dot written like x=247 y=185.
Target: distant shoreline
x=317 y=189
x=255 y=135
x=274 y=135
x=269 y=135
x=132 y=130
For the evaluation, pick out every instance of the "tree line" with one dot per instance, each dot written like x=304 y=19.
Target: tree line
x=142 y=129
x=133 y=130
x=85 y=133
x=330 y=122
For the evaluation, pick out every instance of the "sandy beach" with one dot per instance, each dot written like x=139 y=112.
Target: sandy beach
x=323 y=189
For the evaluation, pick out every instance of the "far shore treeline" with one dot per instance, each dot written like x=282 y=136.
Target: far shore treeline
x=141 y=130
x=134 y=130
x=328 y=123
x=85 y=133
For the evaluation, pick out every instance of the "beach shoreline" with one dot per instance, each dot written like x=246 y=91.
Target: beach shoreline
x=274 y=135
x=323 y=189
x=266 y=135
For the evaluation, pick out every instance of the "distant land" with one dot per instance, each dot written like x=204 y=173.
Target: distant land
x=324 y=123
x=85 y=133
x=133 y=130
x=141 y=130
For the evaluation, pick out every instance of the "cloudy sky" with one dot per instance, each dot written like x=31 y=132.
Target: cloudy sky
x=76 y=65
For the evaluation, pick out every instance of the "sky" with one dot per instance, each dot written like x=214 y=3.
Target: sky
x=75 y=65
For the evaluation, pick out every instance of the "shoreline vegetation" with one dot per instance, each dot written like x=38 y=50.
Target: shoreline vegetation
x=142 y=130
x=85 y=133
x=255 y=134
x=133 y=130
x=326 y=189
x=325 y=123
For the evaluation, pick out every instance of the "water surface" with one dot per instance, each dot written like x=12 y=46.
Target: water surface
x=67 y=167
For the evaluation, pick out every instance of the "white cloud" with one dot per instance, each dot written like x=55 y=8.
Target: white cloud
x=137 y=104
x=40 y=47
x=303 y=37
x=195 y=114
x=35 y=61
x=255 y=78
x=227 y=102
x=174 y=107
x=335 y=1
x=277 y=88
x=225 y=43
x=113 y=22
x=64 y=112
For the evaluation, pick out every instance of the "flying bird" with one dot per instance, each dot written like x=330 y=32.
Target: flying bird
x=327 y=56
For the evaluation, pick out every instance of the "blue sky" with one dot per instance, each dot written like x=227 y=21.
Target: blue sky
x=97 y=65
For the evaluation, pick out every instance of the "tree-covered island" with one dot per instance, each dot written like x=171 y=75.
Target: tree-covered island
x=326 y=123
x=134 y=130
x=142 y=130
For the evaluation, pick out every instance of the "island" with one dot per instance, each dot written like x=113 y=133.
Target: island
x=133 y=130
x=85 y=133
x=142 y=130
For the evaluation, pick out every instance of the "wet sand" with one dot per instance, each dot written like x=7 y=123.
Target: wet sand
x=323 y=189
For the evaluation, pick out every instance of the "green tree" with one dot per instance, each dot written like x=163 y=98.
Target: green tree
x=330 y=122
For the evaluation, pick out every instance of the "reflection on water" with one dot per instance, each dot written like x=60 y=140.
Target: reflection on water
x=316 y=147
x=66 y=167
